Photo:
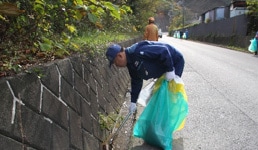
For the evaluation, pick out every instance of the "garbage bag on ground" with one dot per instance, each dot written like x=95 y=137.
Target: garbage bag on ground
x=253 y=45
x=184 y=36
x=164 y=114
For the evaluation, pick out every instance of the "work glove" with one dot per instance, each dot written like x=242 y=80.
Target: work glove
x=170 y=75
x=132 y=107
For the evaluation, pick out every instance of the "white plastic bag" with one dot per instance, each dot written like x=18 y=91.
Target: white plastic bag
x=145 y=94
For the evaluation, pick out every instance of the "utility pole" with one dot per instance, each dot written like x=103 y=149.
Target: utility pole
x=183 y=16
x=181 y=3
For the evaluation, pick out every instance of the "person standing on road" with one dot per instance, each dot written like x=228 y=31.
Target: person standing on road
x=151 y=31
x=145 y=60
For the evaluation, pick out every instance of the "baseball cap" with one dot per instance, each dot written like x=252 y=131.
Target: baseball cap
x=112 y=52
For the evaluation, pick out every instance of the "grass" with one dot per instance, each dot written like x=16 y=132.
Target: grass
x=237 y=48
x=89 y=43
x=95 y=42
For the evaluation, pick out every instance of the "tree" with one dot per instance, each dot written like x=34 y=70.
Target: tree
x=142 y=10
x=43 y=29
x=252 y=6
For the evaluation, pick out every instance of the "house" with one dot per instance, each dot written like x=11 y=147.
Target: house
x=221 y=13
x=237 y=7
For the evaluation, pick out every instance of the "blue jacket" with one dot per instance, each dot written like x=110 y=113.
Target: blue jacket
x=150 y=59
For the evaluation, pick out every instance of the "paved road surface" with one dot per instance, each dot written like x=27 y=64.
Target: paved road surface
x=222 y=89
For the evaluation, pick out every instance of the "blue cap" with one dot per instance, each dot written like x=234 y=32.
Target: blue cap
x=111 y=53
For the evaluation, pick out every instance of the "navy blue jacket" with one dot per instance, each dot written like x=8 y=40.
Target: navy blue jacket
x=150 y=59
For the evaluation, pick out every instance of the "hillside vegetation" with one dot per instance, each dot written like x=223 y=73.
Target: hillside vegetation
x=44 y=30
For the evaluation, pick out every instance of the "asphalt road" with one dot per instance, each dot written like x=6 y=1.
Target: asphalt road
x=222 y=90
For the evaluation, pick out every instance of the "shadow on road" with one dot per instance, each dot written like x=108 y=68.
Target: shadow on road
x=178 y=144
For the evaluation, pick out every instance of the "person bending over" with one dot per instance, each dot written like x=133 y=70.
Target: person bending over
x=145 y=60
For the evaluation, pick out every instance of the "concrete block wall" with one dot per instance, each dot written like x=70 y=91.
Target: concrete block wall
x=228 y=32
x=57 y=106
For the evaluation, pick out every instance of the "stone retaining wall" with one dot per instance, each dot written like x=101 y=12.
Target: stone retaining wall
x=57 y=106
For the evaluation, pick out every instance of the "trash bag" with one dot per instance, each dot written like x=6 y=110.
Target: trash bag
x=184 y=36
x=164 y=114
x=145 y=94
x=253 y=45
